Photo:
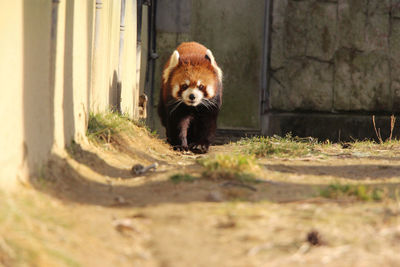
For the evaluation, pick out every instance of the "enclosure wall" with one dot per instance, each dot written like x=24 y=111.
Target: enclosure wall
x=59 y=60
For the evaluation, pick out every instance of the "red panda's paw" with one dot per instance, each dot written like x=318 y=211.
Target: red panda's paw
x=199 y=149
x=181 y=148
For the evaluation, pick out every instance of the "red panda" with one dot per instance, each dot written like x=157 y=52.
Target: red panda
x=190 y=97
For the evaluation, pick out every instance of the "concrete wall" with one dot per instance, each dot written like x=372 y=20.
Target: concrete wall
x=56 y=64
x=233 y=31
x=12 y=73
x=335 y=56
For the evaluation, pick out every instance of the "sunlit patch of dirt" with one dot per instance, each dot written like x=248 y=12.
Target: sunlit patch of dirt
x=119 y=218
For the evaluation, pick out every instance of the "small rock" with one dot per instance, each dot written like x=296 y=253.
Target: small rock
x=124 y=225
x=227 y=224
x=214 y=196
x=314 y=238
x=120 y=201
x=137 y=168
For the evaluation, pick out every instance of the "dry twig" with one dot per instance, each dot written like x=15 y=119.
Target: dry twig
x=378 y=130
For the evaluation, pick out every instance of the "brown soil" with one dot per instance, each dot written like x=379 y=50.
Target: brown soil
x=97 y=213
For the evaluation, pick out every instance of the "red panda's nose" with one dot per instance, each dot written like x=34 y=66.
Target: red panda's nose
x=192 y=96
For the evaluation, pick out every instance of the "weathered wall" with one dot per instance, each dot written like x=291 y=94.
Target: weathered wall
x=335 y=56
x=37 y=93
x=233 y=31
x=129 y=69
x=11 y=75
x=53 y=72
x=105 y=56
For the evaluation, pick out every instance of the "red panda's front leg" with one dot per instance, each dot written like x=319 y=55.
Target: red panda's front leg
x=205 y=133
x=182 y=127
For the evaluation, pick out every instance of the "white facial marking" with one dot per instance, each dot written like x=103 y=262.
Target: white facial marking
x=210 y=91
x=173 y=62
x=214 y=64
x=187 y=82
x=197 y=96
x=198 y=82
x=175 y=90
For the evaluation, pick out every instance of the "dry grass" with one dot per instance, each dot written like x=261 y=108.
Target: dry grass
x=182 y=177
x=353 y=192
x=295 y=147
x=103 y=127
x=29 y=225
x=239 y=167
x=378 y=130
x=278 y=146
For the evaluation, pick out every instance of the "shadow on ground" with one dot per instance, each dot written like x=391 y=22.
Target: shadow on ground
x=96 y=163
x=99 y=185
x=355 y=172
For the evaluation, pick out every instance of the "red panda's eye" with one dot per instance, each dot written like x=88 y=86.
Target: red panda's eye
x=201 y=87
x=184 y=86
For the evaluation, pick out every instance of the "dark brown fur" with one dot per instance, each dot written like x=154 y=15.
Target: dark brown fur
x=191 y=127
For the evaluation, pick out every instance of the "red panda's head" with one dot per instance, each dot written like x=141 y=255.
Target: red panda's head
x=193 y=79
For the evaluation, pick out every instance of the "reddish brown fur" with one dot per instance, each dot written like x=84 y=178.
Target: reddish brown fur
x=187 y=126
x=192 y=66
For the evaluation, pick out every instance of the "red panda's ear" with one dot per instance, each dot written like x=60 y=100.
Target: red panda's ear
x=173 y=62
x=174 y=59
x=210 y=57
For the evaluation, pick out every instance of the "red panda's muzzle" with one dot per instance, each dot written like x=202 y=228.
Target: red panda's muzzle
x=192 y=96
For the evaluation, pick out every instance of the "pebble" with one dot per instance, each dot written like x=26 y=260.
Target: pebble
x=214 y=196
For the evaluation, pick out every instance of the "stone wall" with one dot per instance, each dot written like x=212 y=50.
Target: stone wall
x=335 y=56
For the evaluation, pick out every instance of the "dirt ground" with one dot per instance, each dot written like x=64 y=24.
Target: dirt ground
x=88 y=209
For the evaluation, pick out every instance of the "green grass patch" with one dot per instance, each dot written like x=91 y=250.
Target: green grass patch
x=102 y=126
x=278 y=146
x=224 y=166
x=182 y=177
x=357 y=192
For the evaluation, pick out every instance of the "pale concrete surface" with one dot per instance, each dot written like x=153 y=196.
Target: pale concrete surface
x=11 y=75
x=53 y=73
x=233 y=31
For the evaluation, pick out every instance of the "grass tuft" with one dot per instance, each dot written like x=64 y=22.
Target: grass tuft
x=102 y=127
x=278 y=146
x=182 y=177
x=236 y=167
x=358 y=192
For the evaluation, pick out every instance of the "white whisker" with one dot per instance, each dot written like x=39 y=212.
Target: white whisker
x=177 y=104
x=173 y=101
x=207 y=107
x=210 y=105
x=213 y=103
